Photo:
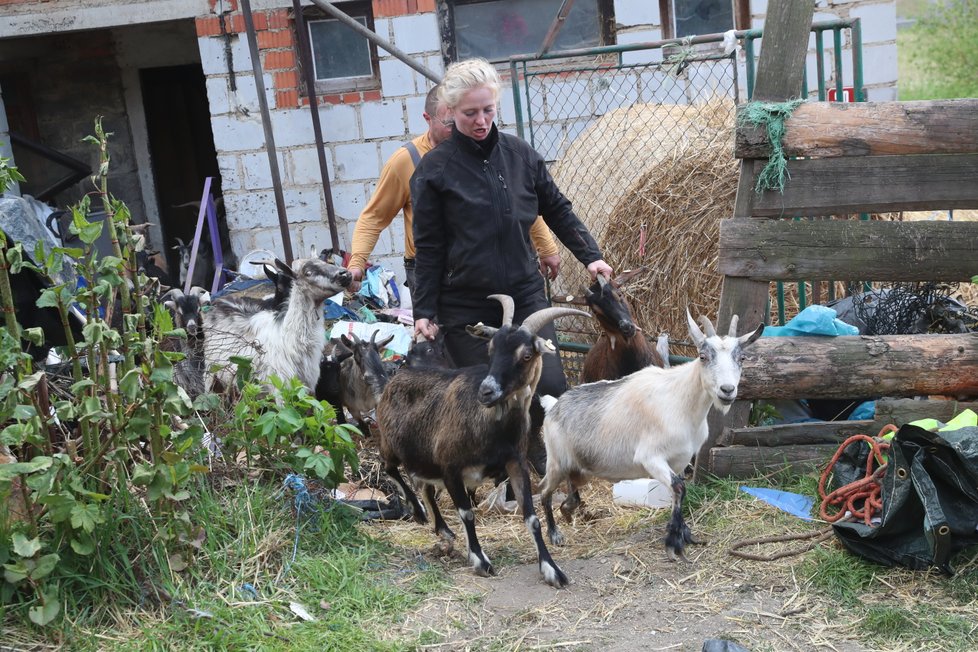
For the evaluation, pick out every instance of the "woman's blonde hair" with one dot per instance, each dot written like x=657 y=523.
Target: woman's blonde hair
x=463 y=76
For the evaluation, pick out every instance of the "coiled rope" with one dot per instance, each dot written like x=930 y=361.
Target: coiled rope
x=861 y=499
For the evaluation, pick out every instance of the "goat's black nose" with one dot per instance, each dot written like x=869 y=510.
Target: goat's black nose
x=728 y=390
x=343 y=277
x=626 y=327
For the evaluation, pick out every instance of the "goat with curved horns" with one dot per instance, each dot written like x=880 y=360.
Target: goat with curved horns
x=457 y=427
x=648 y=424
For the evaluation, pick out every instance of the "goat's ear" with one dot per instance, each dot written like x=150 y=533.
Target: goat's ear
x=748 y=338
x=270 y=273
x=482 y=331
x=343 y=354
x=285 y=269
x=544 y=346
x=347 y=341
x=204 y=298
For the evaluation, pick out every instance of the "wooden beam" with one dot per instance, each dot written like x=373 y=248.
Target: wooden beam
x=824 y=129
x=848 y=250
x=781 y=65
x=752 y=461
x=873 y=184
x=846 y=367
x=797 y=434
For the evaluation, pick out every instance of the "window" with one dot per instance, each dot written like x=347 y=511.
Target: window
x=497 y=29
x=342 y=59
x=694 y=17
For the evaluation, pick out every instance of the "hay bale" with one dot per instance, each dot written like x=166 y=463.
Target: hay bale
x=671 y=169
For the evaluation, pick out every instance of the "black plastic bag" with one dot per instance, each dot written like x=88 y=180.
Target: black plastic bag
x=930 y=499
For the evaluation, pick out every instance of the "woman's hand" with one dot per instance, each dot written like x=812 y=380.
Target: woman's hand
x=357 y=275
x=426 y=328
x=600 y=267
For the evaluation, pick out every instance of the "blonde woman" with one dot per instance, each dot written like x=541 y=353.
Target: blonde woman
x=475 y=197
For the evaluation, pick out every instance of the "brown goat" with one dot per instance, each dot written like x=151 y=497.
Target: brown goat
x=621 y=348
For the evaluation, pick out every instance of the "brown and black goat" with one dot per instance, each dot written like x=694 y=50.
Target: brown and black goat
x=621 y=349
x=453 y=428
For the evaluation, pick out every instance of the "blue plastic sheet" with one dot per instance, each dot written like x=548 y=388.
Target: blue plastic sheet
x=795 y=504
x=813 y=320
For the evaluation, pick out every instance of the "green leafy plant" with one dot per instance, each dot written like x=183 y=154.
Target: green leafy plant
x=289 y=430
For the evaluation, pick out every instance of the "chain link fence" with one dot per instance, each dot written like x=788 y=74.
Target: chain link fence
x=644 y=150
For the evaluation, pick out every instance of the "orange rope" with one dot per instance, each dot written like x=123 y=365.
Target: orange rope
x=867 y=490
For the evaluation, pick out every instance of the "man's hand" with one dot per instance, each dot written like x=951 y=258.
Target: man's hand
x=549 y=266
x=425 y=327
x=357 y=275
x=600 y=267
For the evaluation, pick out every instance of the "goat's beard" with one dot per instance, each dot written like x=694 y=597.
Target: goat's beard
x=722 y=407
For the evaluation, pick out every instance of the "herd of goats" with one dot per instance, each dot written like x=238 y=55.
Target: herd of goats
x=632 y=416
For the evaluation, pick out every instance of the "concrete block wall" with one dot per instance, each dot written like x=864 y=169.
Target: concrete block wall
x=361 y=129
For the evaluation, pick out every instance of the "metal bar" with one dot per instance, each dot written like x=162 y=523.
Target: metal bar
x=751 y=62
x=195 y=246
x=555 y=27
x=215 y=243
x=820 y=64
x=857 y=61
x=371 y=36
x=266 y=123
x=517 y=103
x=837 y=55
x=305 y=58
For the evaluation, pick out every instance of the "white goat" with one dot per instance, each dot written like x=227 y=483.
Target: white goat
x=647 y=424
x=286 y=340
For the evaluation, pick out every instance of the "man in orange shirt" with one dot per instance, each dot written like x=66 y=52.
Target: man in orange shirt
x=393 y=195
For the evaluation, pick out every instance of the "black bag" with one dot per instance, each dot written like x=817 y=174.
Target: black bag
x=930 y=499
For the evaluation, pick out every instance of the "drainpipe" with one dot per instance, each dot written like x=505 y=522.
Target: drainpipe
x=283 y=220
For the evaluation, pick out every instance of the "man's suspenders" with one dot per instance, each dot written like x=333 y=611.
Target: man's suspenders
x=413 y=151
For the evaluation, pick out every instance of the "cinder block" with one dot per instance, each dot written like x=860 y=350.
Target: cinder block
x=292 y=127
x=230 y=174
x=218 y=95
x=383 y=119
x=258 y=173
x=416 y=34
x=348 y=200
x=359 y=161
x=237 y=133
x=397 y=78
x=304 y=204
x=249 y=210
x=213 y=60
x=303 y=166
x=339 y=123
x=414 y=108
x=878 y=21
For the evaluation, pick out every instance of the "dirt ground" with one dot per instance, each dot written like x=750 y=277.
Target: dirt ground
x=624 y=594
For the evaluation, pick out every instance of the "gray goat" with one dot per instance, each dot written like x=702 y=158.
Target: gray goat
x=186 y=311
x=647 y=424
x=285 y=340
x=456 y=427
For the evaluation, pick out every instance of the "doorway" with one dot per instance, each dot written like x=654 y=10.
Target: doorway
x=181 y=147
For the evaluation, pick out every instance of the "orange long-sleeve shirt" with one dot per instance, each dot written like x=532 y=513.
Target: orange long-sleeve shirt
x=393 y=195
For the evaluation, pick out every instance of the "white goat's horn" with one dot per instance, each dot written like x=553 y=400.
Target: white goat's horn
x=733 y=326
x=508 y=307
x=173 y=294
x=708 y=326
x=602 y=281
x=540 y=318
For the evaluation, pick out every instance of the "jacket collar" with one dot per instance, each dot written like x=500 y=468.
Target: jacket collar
x=478 y=148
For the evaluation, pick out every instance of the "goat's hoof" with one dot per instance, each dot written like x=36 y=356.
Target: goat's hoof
x=556 y=537
x=484 y=570
x=553 y=576
x=677 y=554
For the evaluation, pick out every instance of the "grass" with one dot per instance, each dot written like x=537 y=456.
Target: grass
x=242 y=589
x=936 y=56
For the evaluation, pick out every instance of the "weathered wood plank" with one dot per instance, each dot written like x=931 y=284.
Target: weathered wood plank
x=796 y=434
x=844 y=367
x=823 y=129
x=752 y=461
x=848 y=250
x=781 y=65
x=872 y=184
x=899 y=411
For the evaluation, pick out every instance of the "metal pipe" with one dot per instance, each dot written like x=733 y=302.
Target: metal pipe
x=283 y=220
x=305 y=58
x=555 y=27
x=371 y=36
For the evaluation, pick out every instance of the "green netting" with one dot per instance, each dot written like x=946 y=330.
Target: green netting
x=771 y=116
